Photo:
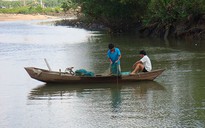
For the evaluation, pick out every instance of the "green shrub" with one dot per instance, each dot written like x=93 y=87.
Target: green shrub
x=30 y=10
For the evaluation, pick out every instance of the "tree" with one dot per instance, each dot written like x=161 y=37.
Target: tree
x=169 y=11
x=66 y=5
x=118 y=15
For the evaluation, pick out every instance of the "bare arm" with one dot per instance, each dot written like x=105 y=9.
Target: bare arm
x=118 y=58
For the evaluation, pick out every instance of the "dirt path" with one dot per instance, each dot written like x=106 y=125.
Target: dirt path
x=14 y=17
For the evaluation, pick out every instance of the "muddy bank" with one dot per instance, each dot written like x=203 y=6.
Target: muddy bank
x=82 y=23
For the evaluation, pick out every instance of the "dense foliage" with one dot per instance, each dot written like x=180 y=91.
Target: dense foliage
x=125 y=15
x=118 y=15
x=169 y=11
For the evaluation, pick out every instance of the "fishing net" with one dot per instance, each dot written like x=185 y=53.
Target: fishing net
x=83 y=72
x=115 y=69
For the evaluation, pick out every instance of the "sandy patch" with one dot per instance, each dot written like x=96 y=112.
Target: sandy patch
x=14 y=17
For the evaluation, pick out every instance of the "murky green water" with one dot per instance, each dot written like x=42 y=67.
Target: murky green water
x=175 y=99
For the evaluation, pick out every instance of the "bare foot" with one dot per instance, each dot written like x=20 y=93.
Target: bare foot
x=132 y=74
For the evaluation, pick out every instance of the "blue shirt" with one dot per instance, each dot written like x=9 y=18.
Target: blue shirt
x=114 y=55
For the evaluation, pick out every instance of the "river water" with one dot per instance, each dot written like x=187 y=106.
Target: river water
x=175 y=99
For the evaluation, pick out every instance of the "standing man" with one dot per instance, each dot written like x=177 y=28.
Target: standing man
x=114 y=56
x=144 y=64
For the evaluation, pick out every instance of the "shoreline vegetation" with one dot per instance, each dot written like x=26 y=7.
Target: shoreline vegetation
x=163 y=19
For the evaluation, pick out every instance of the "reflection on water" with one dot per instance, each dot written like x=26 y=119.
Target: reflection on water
x=139 y=90
x=55 y=91
x=107 y=102
x=141 y=104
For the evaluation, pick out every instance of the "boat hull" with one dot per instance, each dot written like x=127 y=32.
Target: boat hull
x=63 y=77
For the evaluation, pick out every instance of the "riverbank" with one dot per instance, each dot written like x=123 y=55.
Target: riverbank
x=16 y=17
x=191 y=29
x=82 y=23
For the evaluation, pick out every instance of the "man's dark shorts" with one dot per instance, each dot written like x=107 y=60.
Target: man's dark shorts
x=144 y=70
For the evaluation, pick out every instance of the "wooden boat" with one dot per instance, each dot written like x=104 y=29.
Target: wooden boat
x=65 y=77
